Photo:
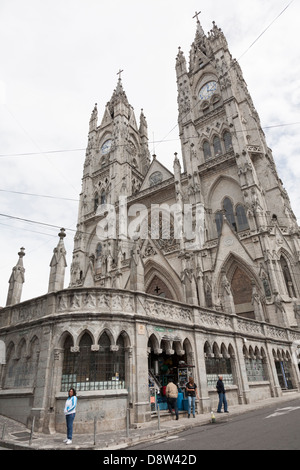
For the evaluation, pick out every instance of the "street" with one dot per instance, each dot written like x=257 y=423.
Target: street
x=271 y=428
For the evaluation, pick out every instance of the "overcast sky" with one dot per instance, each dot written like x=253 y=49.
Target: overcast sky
x=58 y=58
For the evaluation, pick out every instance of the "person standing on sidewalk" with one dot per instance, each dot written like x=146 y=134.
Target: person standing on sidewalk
x=222 y=395
x=191 y=391
x=70 y=411
x=172 y=395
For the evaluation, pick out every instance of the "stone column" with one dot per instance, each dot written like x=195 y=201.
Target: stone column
x=141 y=396
x=273 y=372
x=58 y=356
x=205 y=403
x=239 y=371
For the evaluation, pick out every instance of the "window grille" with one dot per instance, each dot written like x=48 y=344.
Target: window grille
x=256 y=370
x=216 y=367
x=93 y=370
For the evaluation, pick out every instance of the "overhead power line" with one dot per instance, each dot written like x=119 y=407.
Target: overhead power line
x=8 y=155
x=38 y=195
x=266 y=29
x=34 y=222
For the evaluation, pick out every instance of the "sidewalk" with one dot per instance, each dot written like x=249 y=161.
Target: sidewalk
x=16 y=436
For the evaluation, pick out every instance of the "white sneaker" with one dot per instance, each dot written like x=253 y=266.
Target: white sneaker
x=69 y=441
x=65 y=440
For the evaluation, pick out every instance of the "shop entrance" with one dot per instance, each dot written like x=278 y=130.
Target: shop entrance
x=168 y=363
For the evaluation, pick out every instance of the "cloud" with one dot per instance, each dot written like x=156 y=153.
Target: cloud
x=59 y=58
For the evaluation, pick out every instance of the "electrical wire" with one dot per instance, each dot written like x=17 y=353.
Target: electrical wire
x=265 y=30
x=82 y=232
x=38 y=195
x=33 y=222
x=124 y=145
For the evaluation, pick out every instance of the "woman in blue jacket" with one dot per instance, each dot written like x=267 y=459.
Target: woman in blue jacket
x=70 y=410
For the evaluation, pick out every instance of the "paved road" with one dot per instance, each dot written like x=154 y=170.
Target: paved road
x=269 y=428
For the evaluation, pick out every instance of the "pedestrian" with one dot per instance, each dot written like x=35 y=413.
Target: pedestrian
x=172 y=395
x=192 y=392
x=222 y=395
x=70 y=411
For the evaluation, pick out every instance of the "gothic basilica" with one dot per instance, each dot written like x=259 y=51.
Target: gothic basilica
x=194 y=272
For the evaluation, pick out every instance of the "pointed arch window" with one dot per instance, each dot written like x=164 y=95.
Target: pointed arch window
x=242 y=221
x=219 y=222
x=105 y=358
x=217 y=146
x=85 y=366
x=229 y=213
x=77 y=365
x=98 y=368
x=237 y=220
x=216 y=101
x=119 y=363
x=217 y=364
x=103 y=198
x=287 y=277
x=96 y=201
x=206 y=150
x=227 y=141
x=256 y=366
x=98 y=258
x=68 y=378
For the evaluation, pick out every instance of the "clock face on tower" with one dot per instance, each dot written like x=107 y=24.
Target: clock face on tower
x=106 y=147
x=208 y=90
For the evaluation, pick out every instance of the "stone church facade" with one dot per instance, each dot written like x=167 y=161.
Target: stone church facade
x=191 y=272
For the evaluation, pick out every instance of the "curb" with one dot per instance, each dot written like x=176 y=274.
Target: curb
x=152 y=434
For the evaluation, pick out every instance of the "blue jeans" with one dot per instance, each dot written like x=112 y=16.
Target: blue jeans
x=191 y=402
x=70 y=420
x=222 y=400
x=172 y=405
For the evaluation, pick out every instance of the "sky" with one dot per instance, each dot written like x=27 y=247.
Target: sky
x=60 y=57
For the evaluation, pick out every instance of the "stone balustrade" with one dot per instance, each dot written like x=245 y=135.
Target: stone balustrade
x=144 y=307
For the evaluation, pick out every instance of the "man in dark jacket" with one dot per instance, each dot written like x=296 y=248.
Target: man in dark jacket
x=222 y=395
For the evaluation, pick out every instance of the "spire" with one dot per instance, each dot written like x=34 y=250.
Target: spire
x=180 y=63
x=200 y=31
x=58 y=264
x=118 y=96
x=16 y=281
x=94 y=119
x=143 y=125
x=200 y=49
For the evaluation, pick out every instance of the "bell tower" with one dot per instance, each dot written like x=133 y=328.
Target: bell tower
x=247 y=209
x=117 y=159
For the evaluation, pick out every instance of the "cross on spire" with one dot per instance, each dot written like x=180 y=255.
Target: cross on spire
x=119 y=73
x=196 y=15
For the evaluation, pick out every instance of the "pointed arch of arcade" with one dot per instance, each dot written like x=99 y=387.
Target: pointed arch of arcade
x=88 y=365
x=219 y=360
x=169 y=357
x=256 y=363
x=284 y=368
x=22 y=363
x=157 y=276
